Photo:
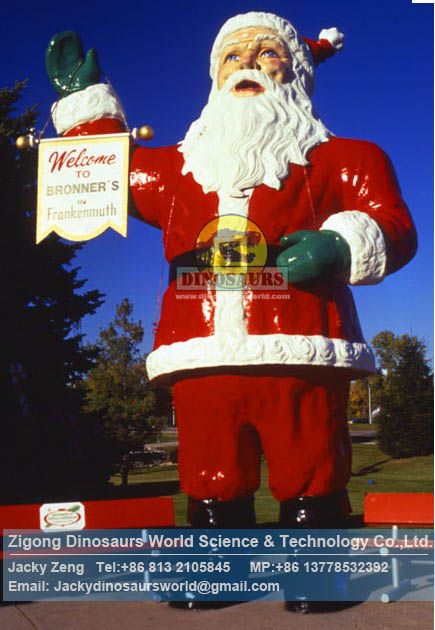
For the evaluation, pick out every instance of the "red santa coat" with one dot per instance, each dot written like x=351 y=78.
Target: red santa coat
x=349 y=186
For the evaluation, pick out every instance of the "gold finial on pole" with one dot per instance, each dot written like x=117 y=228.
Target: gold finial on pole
x=26 y=142
x=143 y=133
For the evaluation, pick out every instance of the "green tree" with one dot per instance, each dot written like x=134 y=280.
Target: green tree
x=42 y=295
x=406 y=416
x=117 y=388
x=359 y=396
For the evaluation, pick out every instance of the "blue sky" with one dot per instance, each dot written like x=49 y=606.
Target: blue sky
x=379 y=88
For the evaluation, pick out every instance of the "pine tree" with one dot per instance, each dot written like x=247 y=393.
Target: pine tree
x=42 y=298
x=406 y=416
x=117 y=388
x=42 y=304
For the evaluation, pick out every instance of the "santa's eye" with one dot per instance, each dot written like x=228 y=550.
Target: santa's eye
x=231 y=57
x=269 y=53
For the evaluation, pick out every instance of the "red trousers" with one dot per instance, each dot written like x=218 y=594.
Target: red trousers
x=225 y=421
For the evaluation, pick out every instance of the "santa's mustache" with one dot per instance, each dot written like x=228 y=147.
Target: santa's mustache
x=251 y=76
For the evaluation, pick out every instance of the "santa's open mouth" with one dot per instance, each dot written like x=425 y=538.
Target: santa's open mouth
x=248 y=87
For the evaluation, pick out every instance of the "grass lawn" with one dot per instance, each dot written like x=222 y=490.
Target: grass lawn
x=413 y=474
x=372 y=471
x=363 y=427
x=167 y=437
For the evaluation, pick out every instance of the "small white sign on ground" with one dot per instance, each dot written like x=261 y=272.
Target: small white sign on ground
x=62 y=516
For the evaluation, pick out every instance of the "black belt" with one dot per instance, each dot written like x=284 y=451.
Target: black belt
x=192 y=260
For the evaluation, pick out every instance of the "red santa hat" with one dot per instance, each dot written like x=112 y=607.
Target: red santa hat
x=305 y=53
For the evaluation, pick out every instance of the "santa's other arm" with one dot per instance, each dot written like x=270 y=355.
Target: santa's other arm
x=376 y=222
x=372 y=234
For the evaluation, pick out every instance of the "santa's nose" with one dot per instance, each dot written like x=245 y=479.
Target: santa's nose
x=248 y=61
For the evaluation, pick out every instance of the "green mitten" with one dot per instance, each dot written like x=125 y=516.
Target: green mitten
x=313 y=255
x=68 y=70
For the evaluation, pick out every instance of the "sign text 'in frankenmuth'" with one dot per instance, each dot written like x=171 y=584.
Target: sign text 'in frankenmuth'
x=83 y=186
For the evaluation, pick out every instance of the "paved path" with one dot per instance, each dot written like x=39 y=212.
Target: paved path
x=366 y=433
x=248 y=616
x=356 y=435
x=160 y=445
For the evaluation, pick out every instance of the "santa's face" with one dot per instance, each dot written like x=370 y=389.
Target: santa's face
x=255 y=48
x=258 y=119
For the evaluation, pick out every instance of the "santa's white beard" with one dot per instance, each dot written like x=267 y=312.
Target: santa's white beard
x=241 y=142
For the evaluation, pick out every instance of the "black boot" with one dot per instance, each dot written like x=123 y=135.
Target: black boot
x=214 y=514
x=327 y=512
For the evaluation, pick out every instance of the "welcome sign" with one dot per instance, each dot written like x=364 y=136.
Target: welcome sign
x=83 y=186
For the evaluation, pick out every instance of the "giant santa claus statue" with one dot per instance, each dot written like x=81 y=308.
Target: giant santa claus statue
x=257 y=372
